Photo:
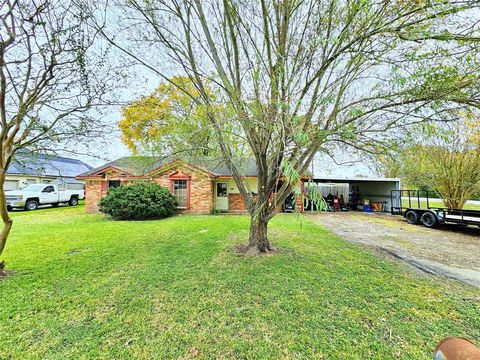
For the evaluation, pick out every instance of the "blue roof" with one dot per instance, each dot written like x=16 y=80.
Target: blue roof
x=27 y=163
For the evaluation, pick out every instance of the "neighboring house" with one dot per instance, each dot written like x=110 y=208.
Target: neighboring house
x=29 y=168
x=200 y=185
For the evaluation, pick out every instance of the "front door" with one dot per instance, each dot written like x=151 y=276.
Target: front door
x=221 y=196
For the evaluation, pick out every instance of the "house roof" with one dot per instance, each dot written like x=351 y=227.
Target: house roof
x=28 y=163
x=142 y=165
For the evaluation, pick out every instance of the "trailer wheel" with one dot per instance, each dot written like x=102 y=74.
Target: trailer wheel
x=412 y=217
x=429 y=220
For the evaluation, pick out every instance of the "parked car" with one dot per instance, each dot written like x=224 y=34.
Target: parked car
x=289 y=204
x=33 y=195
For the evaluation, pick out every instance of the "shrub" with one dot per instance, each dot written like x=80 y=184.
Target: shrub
x=141 y=201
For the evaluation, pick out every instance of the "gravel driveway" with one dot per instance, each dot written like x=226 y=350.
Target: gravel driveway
x=450 y=251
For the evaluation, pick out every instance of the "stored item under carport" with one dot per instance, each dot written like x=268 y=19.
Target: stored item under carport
x=416 y=212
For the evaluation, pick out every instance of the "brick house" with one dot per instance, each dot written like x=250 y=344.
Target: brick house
x=200 y=185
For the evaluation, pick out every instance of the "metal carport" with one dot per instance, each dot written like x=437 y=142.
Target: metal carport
x=374 y=189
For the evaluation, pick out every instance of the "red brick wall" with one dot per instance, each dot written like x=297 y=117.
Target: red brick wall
x=201 y=188
x=97 y=189
x=235 y=203
x=201 y=191
x=299 y=201
x=94 y=191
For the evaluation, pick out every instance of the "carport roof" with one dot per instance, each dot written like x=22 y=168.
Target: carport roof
x=352 y=179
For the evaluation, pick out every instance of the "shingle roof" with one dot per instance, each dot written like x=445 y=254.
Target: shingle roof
x=27 y=163
x=141 y=165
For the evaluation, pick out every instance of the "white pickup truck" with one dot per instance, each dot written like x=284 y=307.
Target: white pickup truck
x=33 y=195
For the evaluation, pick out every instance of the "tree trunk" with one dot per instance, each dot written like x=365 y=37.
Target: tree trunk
x=258 y=241
x=7 y=221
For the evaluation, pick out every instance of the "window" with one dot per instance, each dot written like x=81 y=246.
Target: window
x=180 y=189
x=76 y=186
x=222 y=190
x=48 y=189
x=113 y=183
x=45 y=181
x=180 y=192
x=31 y=181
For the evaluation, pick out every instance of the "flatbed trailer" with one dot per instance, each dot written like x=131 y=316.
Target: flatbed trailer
x=414 y=206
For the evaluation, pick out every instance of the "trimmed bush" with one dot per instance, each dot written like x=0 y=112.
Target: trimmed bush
x=142 y=201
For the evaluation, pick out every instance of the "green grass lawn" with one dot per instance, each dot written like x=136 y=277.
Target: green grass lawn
x=89 y=287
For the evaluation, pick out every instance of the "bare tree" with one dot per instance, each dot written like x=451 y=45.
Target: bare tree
x=49 y=80
x=303 y=75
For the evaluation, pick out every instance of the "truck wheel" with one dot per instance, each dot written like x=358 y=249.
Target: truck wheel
x=73 y=201
x=429 y=220
x=412 y=217
x=31 y=205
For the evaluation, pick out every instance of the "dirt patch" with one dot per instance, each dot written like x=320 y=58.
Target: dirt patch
x=244 y=250
x=450 y=251
x=240 y=247
x=3 y=272
x=6 y=273
x=74 y=251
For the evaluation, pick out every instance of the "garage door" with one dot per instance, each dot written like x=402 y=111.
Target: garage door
x=11 y=185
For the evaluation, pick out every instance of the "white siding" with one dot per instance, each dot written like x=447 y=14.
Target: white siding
x=232 y=186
